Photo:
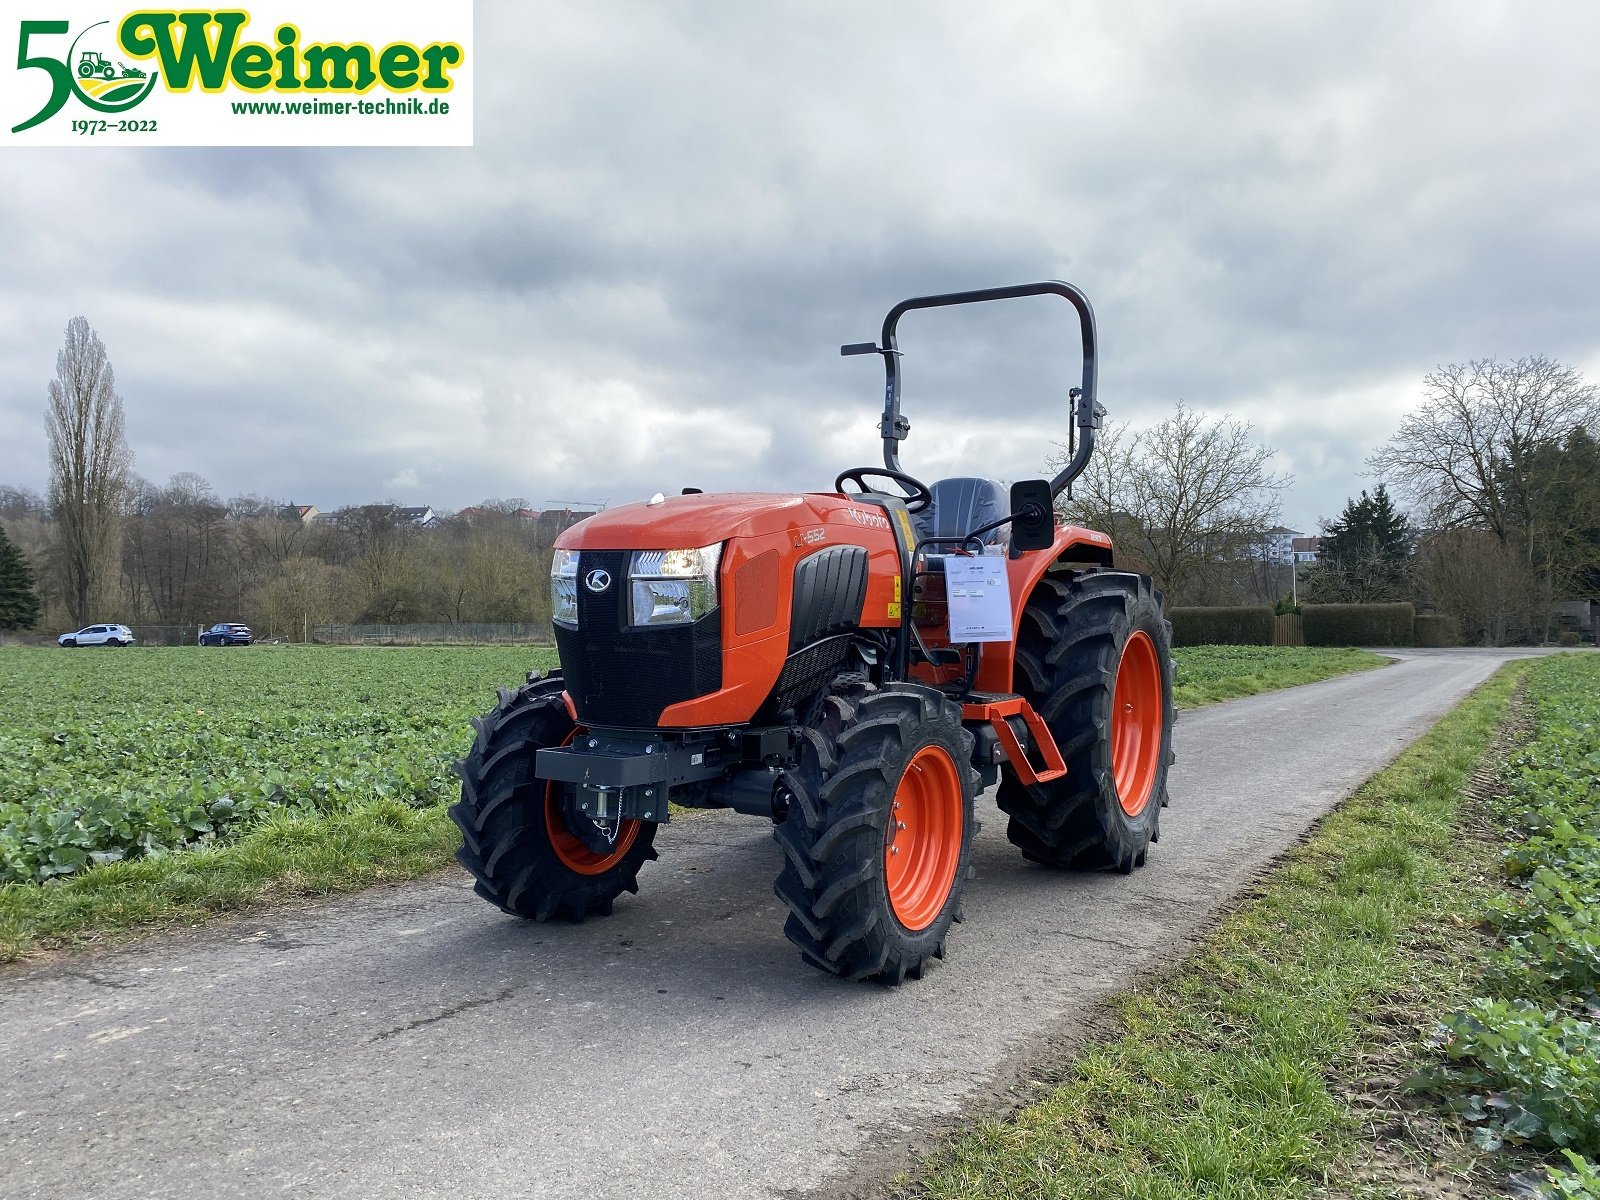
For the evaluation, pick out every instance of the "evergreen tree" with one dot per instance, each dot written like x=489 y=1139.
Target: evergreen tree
x=1561 y=519
x=1366 y=554
x=19 y=603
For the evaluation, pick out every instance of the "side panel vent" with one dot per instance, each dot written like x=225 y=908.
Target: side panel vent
x=829 y=589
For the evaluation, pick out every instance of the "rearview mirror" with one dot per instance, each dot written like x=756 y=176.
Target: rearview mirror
x=1033 y=525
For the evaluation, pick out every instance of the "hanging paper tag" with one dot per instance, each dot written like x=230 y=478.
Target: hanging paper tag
x=979 y=596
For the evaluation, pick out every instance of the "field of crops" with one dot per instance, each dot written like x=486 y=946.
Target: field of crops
x=1522 y=1061
x=112 y=754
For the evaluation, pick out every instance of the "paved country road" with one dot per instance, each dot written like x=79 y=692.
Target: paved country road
x=412 y=1041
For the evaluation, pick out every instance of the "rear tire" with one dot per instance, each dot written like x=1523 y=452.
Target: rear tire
x=1094 y=658
x=878 y=838
x=515 y=838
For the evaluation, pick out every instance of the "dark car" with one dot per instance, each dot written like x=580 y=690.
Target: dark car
x=228 y=633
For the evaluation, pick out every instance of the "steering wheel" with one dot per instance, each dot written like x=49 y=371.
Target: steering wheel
x=916 y=502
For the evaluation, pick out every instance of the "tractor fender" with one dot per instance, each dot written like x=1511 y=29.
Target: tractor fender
x=1074 y=547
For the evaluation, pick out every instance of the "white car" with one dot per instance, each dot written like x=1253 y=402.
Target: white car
x=98 y=635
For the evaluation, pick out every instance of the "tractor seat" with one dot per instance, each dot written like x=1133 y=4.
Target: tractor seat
x=963 y=504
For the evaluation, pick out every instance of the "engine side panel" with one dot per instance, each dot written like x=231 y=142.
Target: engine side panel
x=767 y=539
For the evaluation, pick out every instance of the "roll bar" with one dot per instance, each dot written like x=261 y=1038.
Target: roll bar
x=1086 y=413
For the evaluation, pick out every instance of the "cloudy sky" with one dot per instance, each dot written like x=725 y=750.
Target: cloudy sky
x=675 y=212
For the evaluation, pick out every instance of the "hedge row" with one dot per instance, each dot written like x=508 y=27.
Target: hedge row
x=1323 y=625
x=1359 y=624
x=1241 y=626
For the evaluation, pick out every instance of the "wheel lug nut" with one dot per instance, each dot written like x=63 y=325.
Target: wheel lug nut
x=899 y=824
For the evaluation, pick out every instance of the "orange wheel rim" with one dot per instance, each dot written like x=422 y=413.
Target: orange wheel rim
x=574 y=855
x=922 y=846
x=1136 y=723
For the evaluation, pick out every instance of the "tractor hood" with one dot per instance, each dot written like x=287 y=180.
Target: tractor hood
x=680 y=522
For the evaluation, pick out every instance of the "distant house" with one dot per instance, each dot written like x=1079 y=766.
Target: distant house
x=1306 y=549
x=476 y=511
x=422 y=517
x=1279 y=542
x=304 y=513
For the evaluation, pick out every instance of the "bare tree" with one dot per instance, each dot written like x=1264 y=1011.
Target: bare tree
x=1469 y=452
x=89 y=465
x=1486 y=584
x=1187 y=500
x=176 y=555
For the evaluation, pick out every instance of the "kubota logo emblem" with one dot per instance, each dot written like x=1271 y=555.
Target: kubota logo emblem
x=597 y=580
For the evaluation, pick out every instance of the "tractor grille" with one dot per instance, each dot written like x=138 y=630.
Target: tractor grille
x=618 y=676
x=807 y=672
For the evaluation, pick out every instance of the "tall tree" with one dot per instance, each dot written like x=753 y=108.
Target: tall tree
x=1563 y=516
x=19 y=603
x=1184 y=499
x=89 y=465
x=176 y=556
x=1468 y=452
x=1366 y=554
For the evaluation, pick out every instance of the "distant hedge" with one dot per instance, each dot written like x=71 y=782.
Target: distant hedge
x=1359 y=624
x=1244 y=625
x=1436 y=629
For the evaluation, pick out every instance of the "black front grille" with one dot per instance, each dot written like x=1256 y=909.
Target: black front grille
x=619 y=676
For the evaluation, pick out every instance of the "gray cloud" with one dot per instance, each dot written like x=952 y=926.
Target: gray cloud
x=674 y=213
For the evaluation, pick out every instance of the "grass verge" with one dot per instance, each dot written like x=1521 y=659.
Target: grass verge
x=288 y=855
x=1207 y=674
x=1219 y=1083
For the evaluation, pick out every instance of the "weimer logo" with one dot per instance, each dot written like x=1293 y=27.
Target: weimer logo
x=361 y=74
x=88 y=72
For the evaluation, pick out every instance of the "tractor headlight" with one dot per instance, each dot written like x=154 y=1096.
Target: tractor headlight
x=672 y=587
x=564 y=588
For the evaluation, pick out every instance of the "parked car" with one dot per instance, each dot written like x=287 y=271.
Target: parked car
x=228 y=633
x=98 y=635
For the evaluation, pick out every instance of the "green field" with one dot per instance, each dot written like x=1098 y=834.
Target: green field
x=107 y=754
x=156 y=785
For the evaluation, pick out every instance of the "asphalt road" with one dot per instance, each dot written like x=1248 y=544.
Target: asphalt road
x=412 y=1041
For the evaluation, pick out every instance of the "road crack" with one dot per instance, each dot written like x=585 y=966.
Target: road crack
x=454 y=1010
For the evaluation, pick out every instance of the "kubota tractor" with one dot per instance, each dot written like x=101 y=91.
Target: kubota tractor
x=790 y=657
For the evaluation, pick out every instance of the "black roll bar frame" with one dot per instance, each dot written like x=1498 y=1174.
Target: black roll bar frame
x=1086 y=412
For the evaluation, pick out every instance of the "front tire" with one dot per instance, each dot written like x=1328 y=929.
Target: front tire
x=1094 y=658
x=518 y=838
x=878 y=838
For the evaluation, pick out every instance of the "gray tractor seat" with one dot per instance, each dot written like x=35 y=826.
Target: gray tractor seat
x=961 y=505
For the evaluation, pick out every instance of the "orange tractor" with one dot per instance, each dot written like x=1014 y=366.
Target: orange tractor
x=823 y=660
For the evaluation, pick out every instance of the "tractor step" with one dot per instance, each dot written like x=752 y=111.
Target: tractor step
x=999 y=712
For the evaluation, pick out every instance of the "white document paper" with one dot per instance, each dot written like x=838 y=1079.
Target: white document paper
x=979 y=595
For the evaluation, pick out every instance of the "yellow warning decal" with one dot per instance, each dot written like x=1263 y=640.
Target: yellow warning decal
x=905 y=527
x=894 y=610
x=897 y=588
